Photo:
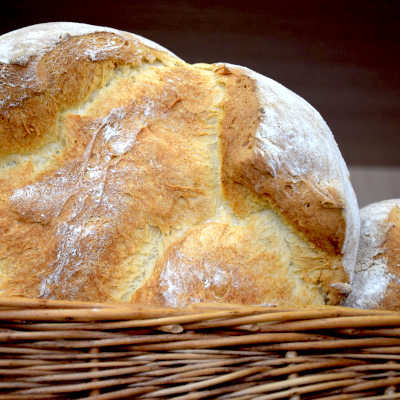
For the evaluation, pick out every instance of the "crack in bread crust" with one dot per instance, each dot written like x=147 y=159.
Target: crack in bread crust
x=249 y=183
x=32 y=96
x=248 y=254
x=318 y=217
x=138 y=160
x=132 y=163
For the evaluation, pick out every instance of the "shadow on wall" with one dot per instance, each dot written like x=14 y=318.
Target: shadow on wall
x=373 y=184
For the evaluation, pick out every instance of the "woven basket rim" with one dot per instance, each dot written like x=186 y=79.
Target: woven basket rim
x=104 y=351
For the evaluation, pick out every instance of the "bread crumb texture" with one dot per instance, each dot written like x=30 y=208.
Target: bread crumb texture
x=128 y=175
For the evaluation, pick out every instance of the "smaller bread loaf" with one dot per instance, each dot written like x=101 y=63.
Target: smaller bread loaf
x=127 y=174
x=376 y=282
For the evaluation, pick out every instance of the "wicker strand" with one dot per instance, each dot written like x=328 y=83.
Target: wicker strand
x=213 y=393
x=219 y=352
x=207 y=383
x=292 y=374
x=95 y=350
x=269 y=387
x=308 y=389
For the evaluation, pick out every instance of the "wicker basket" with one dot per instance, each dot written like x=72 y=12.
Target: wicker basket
x=68 y=350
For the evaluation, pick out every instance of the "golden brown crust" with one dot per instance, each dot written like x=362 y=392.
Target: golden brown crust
x=220 y=263
x=147 y=151
x=320 y=220
x=391 y=299
x=91 y=209
x=64 y=77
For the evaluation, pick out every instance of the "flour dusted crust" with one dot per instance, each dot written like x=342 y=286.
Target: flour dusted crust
x=127 y=174
x=18 y=47
x=377 y=275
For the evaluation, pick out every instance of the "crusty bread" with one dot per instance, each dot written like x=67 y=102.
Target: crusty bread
x=377 y=275
x=127 y=174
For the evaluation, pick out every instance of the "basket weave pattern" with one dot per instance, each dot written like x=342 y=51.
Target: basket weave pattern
x=69 y=350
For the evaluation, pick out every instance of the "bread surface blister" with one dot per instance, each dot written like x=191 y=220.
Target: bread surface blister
x=127 y=174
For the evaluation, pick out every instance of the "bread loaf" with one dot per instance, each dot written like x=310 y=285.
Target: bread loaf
x=127 y=174
x=377 y=273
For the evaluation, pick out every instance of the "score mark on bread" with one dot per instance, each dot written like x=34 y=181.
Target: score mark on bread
x=127 y=174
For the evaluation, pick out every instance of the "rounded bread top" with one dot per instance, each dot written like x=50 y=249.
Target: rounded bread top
x=19 y=46
x=49 y=67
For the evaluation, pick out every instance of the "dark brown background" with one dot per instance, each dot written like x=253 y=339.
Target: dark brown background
x=341 y=56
